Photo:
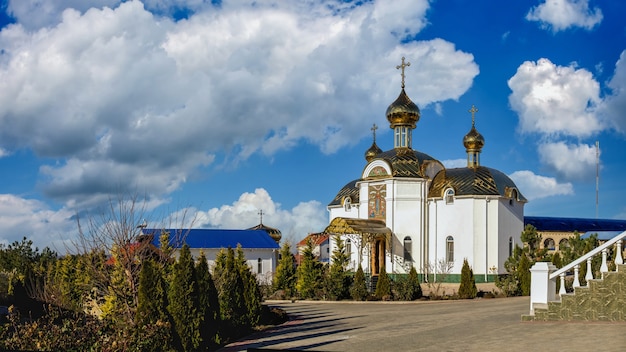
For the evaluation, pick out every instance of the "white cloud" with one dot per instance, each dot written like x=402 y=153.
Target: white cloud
x=122 y=96
x=536 y=186
x=454 y=163
x=615 y=104
x=572 y=162
x=555 y=100
x=295 y=224
x=560 y=15
x=30 y=218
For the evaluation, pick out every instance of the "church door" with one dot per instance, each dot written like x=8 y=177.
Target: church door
x=378 y=255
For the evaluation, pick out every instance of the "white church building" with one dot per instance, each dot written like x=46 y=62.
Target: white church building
x=407 y=210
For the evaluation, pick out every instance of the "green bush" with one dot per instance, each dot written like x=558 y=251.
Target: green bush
x=358 y=291
x=383 y=286
x=467 y=288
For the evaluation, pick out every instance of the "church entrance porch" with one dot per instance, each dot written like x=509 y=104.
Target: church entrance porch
x=370 y=239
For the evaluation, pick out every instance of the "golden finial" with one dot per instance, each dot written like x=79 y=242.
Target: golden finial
x=473 y=110
x=374 y=128
x=402 y=66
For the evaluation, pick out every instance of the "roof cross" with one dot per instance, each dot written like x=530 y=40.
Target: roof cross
x=473 y=110
x=374 y=128
x=402 y=66
x=261 y=213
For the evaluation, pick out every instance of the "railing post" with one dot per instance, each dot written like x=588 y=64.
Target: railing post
x=562 y=289
x=542 y=289
x=604 y=268
x=576 y=281
x=618 y=255
x=589 y=274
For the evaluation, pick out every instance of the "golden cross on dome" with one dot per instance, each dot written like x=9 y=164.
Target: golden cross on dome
x=374 y=128
x=261 y=214
x=402 y=66
x=473 y=110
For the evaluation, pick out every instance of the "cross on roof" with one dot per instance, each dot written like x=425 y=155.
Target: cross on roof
x=261 y=214
x=402 y=66
x=473 y=110
x=374 y=128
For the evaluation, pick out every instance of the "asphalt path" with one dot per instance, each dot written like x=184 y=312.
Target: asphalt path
x=459 y=325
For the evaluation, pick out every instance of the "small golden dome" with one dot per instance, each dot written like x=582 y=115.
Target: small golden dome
x=403 y=111
x=473 y=140
x=371 y=153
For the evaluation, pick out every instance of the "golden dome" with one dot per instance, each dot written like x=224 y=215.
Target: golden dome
x=403 y=112
x=371 y=153
x=473 y=140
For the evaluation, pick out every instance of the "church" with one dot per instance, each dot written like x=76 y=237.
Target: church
x=407 y=210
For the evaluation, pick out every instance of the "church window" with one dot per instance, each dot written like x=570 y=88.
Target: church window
x=450 y=249
x=259 y=268
x=402 y=136
x=347 y=204
x=408 y=249
x=511 y=243
x=548 y=244
x=449 y=196
x=348 y=247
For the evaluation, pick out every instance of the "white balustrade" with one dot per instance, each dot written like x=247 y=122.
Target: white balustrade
x=543 y=275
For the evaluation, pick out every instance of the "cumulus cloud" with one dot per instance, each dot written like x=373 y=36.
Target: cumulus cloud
x=555 y=100
x=295 y=223
x=31 y=218
x=535 y=186
x=614 y=104
x=559 y=15
x=121 y=95
x=570 y=161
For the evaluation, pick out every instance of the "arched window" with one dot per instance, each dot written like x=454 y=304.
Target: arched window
x=563 y=244
x=449 y=249
x=548 y=244
x=449 y=196
x=408 y=249
x=347 y=204
x=348 y=248
x=511 y=244
x=259 y=265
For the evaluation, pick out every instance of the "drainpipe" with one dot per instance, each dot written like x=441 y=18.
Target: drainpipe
x=436 y=235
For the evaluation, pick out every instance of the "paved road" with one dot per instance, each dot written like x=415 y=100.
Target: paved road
x=464 y=325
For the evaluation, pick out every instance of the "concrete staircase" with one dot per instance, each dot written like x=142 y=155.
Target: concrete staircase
x=601 y=300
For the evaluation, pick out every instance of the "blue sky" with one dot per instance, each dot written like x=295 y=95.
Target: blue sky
x=219 y=109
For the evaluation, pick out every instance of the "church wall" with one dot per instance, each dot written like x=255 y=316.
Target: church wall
x=451 y=220
x=405 y=207
x=511 y=225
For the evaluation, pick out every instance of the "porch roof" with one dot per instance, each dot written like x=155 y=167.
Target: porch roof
x=357 y=226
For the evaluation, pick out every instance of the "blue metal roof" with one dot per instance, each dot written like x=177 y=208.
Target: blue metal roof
x=574 y=224
x=215 y=238
x=602 y=235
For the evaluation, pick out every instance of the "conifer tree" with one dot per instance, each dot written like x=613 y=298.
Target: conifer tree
x=308 y=273
x=208 y=304
x=415 y=289
x=152 y=308
x=358 y=291
x=467 y=288
x=523 y=271
x=183 y=301
x=230 y=290
x=337 y=281
x=252 y=292
x=285 y=277
x=383 y=286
